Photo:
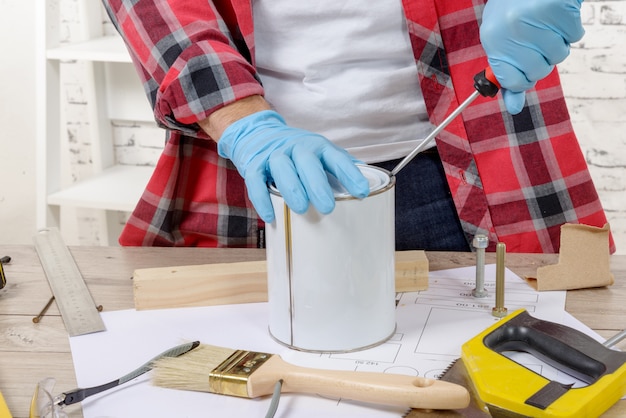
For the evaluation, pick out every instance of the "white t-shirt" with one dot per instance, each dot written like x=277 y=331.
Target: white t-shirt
x=343 y=69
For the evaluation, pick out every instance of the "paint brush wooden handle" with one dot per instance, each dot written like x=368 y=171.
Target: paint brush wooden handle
x=380 y=388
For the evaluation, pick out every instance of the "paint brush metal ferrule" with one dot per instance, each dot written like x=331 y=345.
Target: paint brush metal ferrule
x=231 y=376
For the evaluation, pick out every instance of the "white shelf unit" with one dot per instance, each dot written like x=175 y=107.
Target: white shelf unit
x=104 y=49
x=122 y=186
x=113 y=92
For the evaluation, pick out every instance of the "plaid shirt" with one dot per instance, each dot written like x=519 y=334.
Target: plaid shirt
x=515 y=178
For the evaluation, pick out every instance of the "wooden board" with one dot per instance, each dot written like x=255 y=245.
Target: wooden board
x=239 y=282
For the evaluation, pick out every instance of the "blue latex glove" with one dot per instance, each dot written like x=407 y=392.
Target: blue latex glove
x=525 y=39
x=265 y=149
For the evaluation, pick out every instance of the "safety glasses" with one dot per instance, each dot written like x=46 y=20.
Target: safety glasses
x=43 y=404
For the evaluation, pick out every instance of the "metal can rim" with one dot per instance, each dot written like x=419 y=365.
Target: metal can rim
x=374 y=190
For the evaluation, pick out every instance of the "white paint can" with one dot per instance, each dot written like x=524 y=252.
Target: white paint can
x=331 y=278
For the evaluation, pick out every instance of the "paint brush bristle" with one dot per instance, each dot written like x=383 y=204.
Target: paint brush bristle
x=190 y=372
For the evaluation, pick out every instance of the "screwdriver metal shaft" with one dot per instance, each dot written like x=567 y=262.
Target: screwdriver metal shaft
x=485 y=83
x=426 y=142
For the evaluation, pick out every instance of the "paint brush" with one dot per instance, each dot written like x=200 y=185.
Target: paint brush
x=251 y=374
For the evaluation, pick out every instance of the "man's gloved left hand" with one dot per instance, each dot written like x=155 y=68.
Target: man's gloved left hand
x=525 y=39
x=265 y=149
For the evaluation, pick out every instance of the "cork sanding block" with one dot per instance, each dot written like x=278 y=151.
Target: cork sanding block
x=241 y=282
x=583 y=260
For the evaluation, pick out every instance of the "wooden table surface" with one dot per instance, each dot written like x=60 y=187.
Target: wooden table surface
x=30 y=352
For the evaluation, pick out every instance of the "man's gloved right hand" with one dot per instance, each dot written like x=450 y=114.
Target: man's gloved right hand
x=264 y=149
x=525 y=39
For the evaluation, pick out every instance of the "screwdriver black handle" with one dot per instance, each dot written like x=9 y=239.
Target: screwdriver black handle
x=486 y=84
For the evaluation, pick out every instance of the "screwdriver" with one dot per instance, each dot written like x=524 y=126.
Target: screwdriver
x=485 y=84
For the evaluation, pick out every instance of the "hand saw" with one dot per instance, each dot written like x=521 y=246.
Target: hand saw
x=500 y=387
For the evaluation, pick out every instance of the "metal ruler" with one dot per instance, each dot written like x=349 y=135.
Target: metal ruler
x=74 y=301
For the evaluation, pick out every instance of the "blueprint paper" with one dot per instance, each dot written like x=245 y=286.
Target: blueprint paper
x=431 y=327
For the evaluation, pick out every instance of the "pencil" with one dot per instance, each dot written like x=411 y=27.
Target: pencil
x=251 y=374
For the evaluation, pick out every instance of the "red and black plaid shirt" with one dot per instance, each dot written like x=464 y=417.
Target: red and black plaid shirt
x=516 y=178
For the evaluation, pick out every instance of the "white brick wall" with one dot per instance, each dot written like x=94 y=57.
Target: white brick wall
x=137 y=143
x=594 y=80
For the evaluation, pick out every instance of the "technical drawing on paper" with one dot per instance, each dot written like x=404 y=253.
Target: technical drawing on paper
x=434 y=323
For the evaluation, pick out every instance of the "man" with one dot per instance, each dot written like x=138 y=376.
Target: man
x=285 y=99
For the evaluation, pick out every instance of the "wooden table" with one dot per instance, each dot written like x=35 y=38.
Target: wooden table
x=30 y=352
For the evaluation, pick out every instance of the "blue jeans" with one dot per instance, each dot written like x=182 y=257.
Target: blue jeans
x=426 y=218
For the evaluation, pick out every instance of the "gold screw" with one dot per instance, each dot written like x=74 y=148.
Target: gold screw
x=499 y=310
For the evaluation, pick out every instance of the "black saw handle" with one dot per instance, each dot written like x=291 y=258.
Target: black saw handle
x=562 y=347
